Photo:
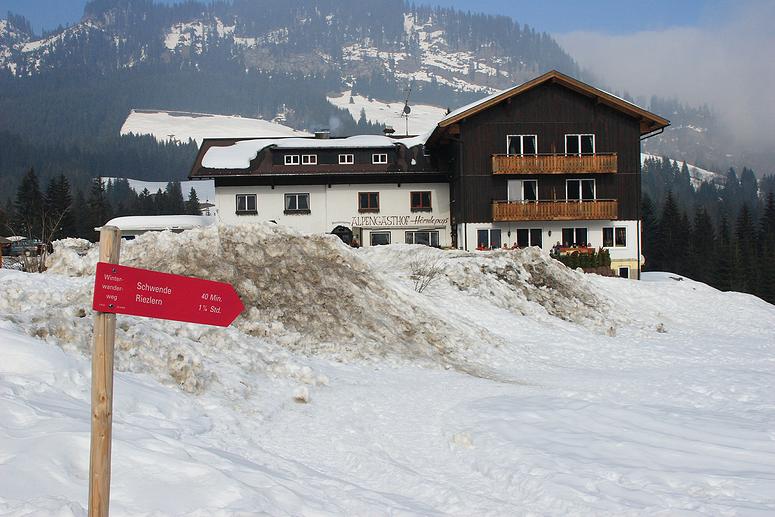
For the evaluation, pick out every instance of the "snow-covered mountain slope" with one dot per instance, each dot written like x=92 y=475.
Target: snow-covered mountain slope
x=511 y=385
x=697 y=174
x=423 y=117
x=183 y=126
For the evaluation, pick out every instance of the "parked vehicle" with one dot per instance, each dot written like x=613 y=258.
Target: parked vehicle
x=32 y=247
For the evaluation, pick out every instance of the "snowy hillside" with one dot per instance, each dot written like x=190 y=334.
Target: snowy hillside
x=422 y=118
x=697 y=174
x=184 y=126
x=511 y=385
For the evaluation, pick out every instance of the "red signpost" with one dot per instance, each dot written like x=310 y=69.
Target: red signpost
x=140 y=292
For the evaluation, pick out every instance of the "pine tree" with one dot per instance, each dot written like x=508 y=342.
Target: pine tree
x=98 y=208
x=59 y=208
x=28 y=206
x=5 y=219
x=671 y=238
x=146 y=202
x=648 y=215
x=725 y=263
x=731 y=194
x=175 y=204
x=703 y=248
x=746 y=270
x=192 y=205
x=767 y=256
x=749 y=189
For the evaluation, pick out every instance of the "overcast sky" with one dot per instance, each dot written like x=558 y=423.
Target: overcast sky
x=727 y=60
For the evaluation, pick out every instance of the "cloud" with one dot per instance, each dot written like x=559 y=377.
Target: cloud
x=729 y=65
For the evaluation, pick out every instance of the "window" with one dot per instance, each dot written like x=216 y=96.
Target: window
x=368 y=201
x=621 y=236
x=529 y=237
x=426 y=237
x=522 y=144
x=579 y=144
x=488 y=239
x=291 y=159
x=309 y=159
x=246 y=204
x=420 y=201
x=426 y=151
x=379 y=158
x=379 y=238
x=580 y=190
x=624 y=272
x=346 y=159
x=530 y=190
x=574 y=237
x=297 y=203
x=536 y=237
x=614 y=237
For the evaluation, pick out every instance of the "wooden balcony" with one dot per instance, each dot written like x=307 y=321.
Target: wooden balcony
x=600 y=209
x=554 y=164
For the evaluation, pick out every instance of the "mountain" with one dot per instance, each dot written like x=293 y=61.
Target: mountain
x=376 y=39
x=66 y=94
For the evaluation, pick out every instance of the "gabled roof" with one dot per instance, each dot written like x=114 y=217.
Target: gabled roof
x=648 y=121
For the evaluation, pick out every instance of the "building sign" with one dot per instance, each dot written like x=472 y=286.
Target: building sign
x=397 y=221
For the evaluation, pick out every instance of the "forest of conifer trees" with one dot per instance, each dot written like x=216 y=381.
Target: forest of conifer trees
x=58 y=212
x=721 y=235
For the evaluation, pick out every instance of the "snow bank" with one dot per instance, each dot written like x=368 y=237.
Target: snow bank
x=312 y=295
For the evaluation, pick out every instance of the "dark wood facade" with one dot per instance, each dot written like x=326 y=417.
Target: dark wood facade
x=549 y=110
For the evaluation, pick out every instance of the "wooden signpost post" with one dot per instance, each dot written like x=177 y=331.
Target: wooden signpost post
x=139 y=292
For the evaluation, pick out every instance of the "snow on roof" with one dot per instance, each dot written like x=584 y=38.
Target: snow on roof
x=160 y=222
x=239 y=154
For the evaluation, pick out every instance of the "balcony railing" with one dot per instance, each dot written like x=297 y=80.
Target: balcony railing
x=599 y=209
x=554 y=163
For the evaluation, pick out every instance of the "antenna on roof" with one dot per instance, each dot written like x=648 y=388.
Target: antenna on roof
x=407 y=110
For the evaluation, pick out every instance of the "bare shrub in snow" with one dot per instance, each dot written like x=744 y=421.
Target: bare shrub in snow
x=424 y=271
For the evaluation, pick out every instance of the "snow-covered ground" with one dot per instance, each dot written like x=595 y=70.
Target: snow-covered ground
x=697 y=174
x=422 y=118
x=510 y=386
x=184 y=126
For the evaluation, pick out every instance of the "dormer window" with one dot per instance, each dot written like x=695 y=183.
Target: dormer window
x=346 y=159
x=309 y=159
x=522 y=145
x=579 y=144
x=291 y=159
x=379 y=158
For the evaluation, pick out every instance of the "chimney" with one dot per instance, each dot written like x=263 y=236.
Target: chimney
x=323 y=134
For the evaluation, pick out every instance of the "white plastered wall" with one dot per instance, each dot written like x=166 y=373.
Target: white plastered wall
x=335 y=205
